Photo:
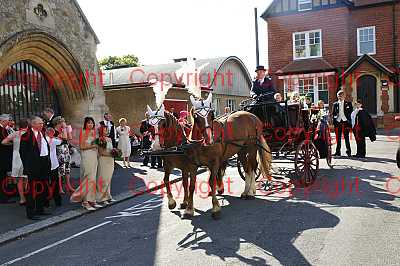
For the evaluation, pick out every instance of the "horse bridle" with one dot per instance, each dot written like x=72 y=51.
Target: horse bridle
x=203 y=112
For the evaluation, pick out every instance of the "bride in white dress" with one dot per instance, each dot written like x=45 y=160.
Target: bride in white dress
x=124 y=143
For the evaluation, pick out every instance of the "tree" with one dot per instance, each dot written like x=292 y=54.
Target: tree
x=119 y=61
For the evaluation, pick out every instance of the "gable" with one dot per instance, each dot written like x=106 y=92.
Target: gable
x=86 y=21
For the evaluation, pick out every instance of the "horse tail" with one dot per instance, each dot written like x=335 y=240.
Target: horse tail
x=264 y=157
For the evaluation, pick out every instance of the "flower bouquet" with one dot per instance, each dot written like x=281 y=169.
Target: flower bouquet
x=116 y=153
x=101 y=142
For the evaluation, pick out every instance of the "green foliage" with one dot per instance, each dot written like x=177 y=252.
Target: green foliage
x=119 y=61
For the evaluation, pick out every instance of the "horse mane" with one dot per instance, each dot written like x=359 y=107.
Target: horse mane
x=170 y=119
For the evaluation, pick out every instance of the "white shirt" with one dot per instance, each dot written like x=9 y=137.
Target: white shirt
x=341 y=116
x=353 y=116
x=44 y=151
x=53 y=143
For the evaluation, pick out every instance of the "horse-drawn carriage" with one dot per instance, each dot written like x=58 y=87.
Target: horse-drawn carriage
x=294 y=135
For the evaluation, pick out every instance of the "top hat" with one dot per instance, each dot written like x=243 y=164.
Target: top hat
x=260 y=68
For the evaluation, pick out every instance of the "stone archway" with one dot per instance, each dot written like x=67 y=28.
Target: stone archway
x=366 y=92
x=57 y=63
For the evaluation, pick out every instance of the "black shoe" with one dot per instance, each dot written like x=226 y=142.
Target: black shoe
x=143 y=164
x=359 y=156
x=153 y=167
x=44 y=213
x=7 y=201
x=348 y=154
x=160 y=166
x=337 y=154
x=34 y=218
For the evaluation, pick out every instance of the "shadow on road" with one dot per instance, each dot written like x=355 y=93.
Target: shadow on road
x=350 y=187
x=270 y=226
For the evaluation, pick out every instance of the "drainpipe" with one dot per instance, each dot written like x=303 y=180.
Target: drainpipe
x=396 y=68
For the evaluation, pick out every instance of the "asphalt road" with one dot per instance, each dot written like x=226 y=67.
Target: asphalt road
x=347 y=218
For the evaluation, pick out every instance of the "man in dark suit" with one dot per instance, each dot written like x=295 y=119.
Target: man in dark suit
x=148 y=132
x=262 y=85
x=363 y=126
x=48 y=115
x=110 y=128
x=341 y=117
x=35 y=156
x=6 y=154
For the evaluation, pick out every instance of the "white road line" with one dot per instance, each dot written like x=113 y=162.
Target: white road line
x=55 y=244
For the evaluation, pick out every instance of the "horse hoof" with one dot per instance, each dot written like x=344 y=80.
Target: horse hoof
x=187 y=214
x=172 y=205
x=247 y=197
x=216 y=215
x=183 y=205
x=244 y=196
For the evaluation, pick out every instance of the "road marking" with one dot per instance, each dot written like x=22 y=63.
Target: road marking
x=54 y=244
x=140 y=208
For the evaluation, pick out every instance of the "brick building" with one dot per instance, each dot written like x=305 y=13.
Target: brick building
x=317 y=47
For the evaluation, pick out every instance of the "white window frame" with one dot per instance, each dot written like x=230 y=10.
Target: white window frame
x=358 y=40
x=303 y=2
x=307 y=44
x=217 y=105
x=231 y=103
x=295 y=82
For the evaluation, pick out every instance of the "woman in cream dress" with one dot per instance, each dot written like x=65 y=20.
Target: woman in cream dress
x=17 y=171
x=105 y=168
x=86 y=192
x=124 y=143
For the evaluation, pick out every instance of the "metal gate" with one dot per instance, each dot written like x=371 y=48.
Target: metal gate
x=26 y=91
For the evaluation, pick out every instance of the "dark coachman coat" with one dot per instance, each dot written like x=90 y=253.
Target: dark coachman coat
x=265 y=88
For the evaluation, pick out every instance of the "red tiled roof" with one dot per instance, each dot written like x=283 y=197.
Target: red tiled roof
x=306 y=66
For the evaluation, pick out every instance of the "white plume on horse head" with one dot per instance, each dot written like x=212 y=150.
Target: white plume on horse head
x=208 y=101
x=161 y=111
x=191 y=76
x=160 y=89
x=149 y=111
x=196 y=104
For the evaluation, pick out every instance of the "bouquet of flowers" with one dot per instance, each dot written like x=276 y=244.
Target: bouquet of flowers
x=101 y=142
x=116 y=153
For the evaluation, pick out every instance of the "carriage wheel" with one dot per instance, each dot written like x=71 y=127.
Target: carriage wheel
x=241 y=170
x=329 y=144
x=306 y=163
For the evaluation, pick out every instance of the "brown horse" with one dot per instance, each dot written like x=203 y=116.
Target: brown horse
x=239 y=133
x=170 y=134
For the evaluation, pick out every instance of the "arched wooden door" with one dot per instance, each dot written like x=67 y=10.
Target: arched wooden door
x=26 y=91
x=366 y=92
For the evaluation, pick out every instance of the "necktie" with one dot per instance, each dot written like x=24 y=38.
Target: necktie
x=39 y=141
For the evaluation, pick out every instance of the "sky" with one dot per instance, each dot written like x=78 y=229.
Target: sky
x=157 y=31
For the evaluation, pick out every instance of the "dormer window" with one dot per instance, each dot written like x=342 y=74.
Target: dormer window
x=304 y=5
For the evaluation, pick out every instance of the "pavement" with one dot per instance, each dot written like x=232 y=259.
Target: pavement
x=350 y=216
x=126 y=183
